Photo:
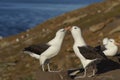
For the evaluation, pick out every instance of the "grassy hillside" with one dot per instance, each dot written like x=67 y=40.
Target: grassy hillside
x=96 y=21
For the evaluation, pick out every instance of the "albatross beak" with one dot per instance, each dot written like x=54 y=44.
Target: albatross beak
x=68 y=28
x=116 y=43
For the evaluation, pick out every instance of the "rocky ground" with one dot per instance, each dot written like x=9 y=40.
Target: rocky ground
x=62 y=76
x=96 y=21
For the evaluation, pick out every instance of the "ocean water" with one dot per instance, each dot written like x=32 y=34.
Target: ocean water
x=17 y=17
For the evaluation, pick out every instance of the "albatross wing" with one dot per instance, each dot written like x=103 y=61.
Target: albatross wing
x=37 y=49
x=89 y=52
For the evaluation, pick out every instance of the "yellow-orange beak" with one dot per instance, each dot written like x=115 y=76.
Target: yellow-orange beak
x=67 y=28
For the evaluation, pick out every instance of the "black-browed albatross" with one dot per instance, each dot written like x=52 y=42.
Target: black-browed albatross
x=46 y=51
x=87 y=54
x=111 y=48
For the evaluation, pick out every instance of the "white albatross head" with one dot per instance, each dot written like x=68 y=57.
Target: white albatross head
x=112 y=42
x=76 y=32
x=61 y=32
x=59 y=36
x=77 y=36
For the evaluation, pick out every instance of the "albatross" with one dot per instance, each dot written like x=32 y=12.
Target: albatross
x=111 y=48
x=87 y=54
x=45 y=51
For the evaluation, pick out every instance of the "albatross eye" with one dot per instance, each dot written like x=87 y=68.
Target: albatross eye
x=62 y=30
x=75 y=28
x=111 y=41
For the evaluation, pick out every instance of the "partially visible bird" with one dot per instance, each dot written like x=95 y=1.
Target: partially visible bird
x=111 y=48
x=46 y=51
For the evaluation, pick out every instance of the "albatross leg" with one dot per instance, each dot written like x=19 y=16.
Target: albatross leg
x=94 y=71
x=43 y=67
x=48 y=67
x=83 y=75
x=50 y=70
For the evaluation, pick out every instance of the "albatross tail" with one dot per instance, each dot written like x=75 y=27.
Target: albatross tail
x=32 y=54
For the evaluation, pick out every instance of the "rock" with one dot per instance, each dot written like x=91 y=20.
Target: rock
x=22 y=36
x=115 y=30
x=48 y=31
x=101 y=34
x=97 y=27
x=11 y=64
x=43 y=30
x=100 y=26
x=99 y=11
x=27 y=35
x=17 y=40
x=110 y=8
x=74 y=19
x=27 y=65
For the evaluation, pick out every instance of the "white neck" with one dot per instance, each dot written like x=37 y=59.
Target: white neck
x=78 y=39
x=57 y=40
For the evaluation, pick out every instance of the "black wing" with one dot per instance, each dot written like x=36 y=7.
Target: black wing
x=37 y=49
x=89 y=52
x=100 y=48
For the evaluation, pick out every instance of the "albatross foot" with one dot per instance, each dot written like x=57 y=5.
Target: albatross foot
x=54 y=71
x=91 y=75
x=79 y=77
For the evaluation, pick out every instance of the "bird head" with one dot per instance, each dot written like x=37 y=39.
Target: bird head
x=113 y=42
x=61 y=32
x=75 y=30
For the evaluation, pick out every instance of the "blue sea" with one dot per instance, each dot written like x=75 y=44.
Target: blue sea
x=17 y=17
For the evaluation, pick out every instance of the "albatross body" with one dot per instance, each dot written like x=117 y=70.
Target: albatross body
x=87 y=54
x=111 y=48
x=46 y=51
